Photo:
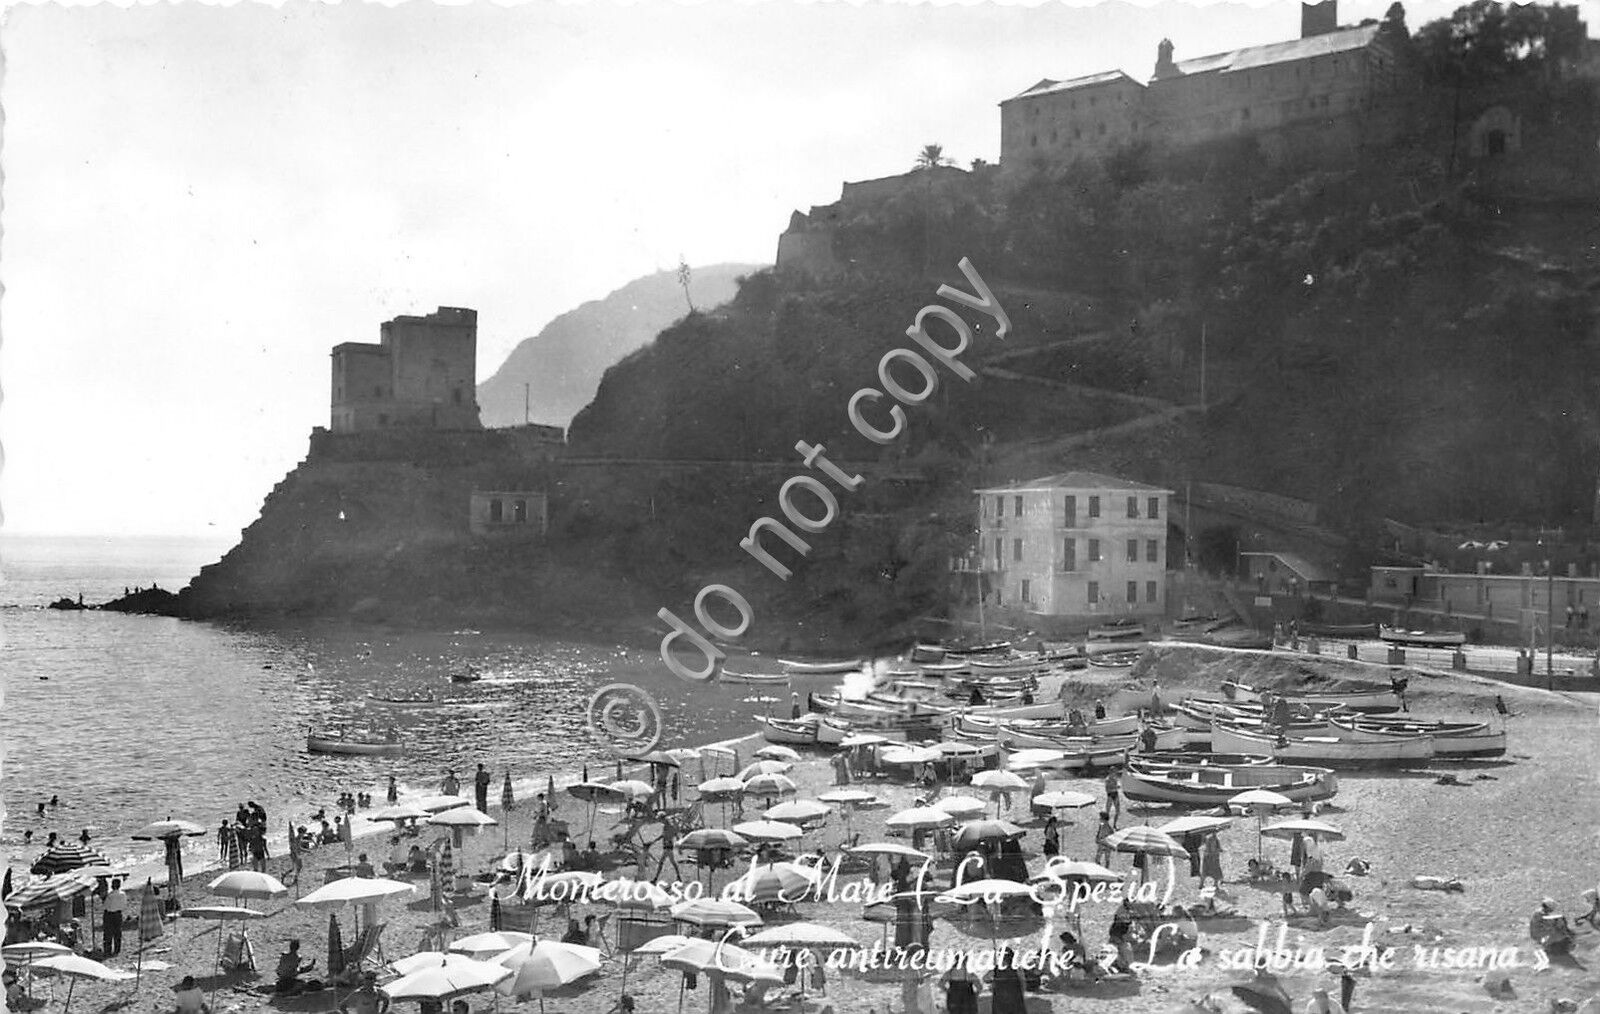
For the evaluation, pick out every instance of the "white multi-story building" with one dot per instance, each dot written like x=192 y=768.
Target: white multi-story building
x=1075 y=544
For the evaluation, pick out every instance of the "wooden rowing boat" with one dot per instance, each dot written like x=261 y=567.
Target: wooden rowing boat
x=755 y=678
x=1349 y=631
x=1374 y=700
x=1389 y=751
x=335 y=743
x=1203 y=785
x=783 y=730
x=1422 y=638
x=849 y=665
x=1116 y=630
x=1451 y=740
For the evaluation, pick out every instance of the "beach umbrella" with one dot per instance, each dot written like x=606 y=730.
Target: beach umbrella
x=984 y=890
x=1064 y=799
x=494 y=912
x=720 y=787
x=29 y=950
x=908 y=755
x=508 y=798
x=960 y=749
x=149 y=924
x=847 y=796
x=769 y=786
x=799 y=934
x=774 y=751
x=402 y=811
x=798 y=811
x=960 y=806
x=1265 y=994
x=49 y=891
x=481 y=946
x=666 y=943
x=427 y=959
x=64 y=857
x=715 y=913
x=445 y=868
x=247 y=884
x=75 y=967
x=335 y=964
x=887 y=848
x=974 y=832
x=1260 y=802
x=169 y=828
x=633 y=789
x=629 y=893
x=920 y=818
x=1310 y=828
x=550 y=792
x=546 y=965
x=221 y=914
x=451 y=977
x=712 y=838
x=1147 y=840
x=459 y=819
x=1078 y=869
x=440 y=803
x=782 y=882
x=1194 y=824
x=764 y=767
x=767 y=830
x=354 y=891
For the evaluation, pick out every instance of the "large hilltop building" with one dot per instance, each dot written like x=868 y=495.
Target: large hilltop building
x=422 y=373
x=1318 y=92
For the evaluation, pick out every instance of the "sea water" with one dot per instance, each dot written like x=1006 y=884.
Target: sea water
x=130 y=719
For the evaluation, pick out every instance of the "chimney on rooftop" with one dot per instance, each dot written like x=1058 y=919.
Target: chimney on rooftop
x=1319 y=18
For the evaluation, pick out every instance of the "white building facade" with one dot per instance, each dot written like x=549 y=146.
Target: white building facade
x=1075 y=544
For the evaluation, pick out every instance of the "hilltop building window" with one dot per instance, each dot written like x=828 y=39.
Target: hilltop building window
x=1094 y=550
x=1154 y=510
x=497 y=511
x=1094 y=506
x=1094 y=592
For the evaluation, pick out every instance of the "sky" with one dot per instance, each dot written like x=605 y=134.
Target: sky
x=200 y=201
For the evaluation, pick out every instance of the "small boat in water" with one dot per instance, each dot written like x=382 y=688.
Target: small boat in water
x=755 y=678
x=341 y=743
x=850 y=665
x=1422 y=638
x=464 y=677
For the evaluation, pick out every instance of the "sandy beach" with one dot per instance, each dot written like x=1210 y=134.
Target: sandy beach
x=1512 y=831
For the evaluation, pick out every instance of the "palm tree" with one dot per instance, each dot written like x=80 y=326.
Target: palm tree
x=932 y=155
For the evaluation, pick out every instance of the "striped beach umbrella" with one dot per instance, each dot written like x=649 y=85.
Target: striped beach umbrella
x=769 y=786
x=1147 y=840
x=149 y=923
x=64 y=857
x=508 y=799
x=235 y=847
x=447 y=866
x=48 y=891
x=335 y=946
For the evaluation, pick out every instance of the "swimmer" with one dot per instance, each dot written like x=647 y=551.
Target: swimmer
x=55 y=800
x=27 y=837
x=41 y=809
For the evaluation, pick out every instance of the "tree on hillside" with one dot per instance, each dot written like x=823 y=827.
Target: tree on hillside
x=931 y=156
x=1486 y=41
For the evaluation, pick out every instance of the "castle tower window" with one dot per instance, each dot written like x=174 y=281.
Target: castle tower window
x=519 y=511
x=497 y=511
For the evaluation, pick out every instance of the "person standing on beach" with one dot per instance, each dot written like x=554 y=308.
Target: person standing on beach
x=450 y=786
x=1211 y=859
x=480 y=783
x=116 y=903
x=1102 y=851
x=1113 y=794
x=394 y=792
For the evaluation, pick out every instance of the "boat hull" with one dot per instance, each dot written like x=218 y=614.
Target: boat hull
x=1451 y=741
x=1422 y=638
x=1214 y=786
x=755 y=678
x=1325 y=751
x=351 y=747
x=1375 y=700
x=851 y=665
x=783 y=730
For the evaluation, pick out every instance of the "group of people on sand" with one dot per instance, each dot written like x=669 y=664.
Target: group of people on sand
x=243 y=843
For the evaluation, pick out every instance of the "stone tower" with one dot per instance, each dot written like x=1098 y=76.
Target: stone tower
x=1164 y=65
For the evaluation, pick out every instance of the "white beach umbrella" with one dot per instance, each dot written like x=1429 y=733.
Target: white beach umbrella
x=856 y=739
x=888 y=848
x=1310 y=828
x=765 y=767
x=168 y=828
x=799 y=934
x=908 y=755
x=1194 y=824
x=545 y=965
x=462 y=816
x=666 y=943
x=960 y=806
x=247 y=884
x=785 y=882
x=846 y=796
x=1064 y=799
x=768 y=830
x=76 y=966
x=355 y=891
x=633 y=789
x=798 y=810
x=982 y=890
x=998 y=781
x=714 y=912
x=921 y=818
x=428 y=959
x=480 y=946
x=1259 y=802
x=1035 y=757
x=724 y=786
x=449 y=978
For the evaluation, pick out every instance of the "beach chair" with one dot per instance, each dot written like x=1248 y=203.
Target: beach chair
x=600 y=939
x=366 y=944
x=237 y=954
